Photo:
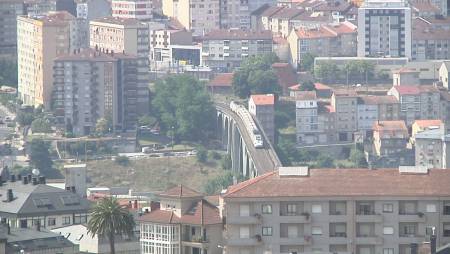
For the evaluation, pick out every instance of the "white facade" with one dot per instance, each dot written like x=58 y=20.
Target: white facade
x=160 y=238
x=384 y=28
x=137 y=9
x=76 y=178
x=367 y=115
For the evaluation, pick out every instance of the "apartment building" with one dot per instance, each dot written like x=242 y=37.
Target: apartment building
x=225 y=49
x=326 y=40
x=132 y=9
x=89 y=85
x=444 y=74
x=42 y=7
x=344 y=103
x=131 y=37
x=429 y=148
x=422 y=125
x=93 y=9
x=196 y=15
x=374 y=108
x=172 y=47
x=406 y=77
x=29 y=202
x=417 y=102
x=8 y=37
x=384 y=28
x=295 y=210
x=262 y=107
x=40 y=39
x=236 y=13
x=389 y=138
x=184 y=223
x=430 y=40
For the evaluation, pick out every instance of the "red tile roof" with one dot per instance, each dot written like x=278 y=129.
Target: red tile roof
x=345 y=183
x=202 y=213
x=428 y=123
x=320 y=86
x=222 y=79
x=181 y=191
x=286 y=75
x=263 y=99
x=390 y=126
x=407 y=90
x=326 y=31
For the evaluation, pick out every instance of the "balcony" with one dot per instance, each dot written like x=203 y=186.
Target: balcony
x=295 y=218
x=369 y=217
x=415 y=217
x=406 y=239
x=245 y=220
x=195 y=241
x=299 y=240
x=369 y=240
x=253 y=241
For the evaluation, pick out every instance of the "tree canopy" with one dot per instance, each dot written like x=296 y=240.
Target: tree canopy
x=184 y=107
x=307 y=62
x=40 y=155
x=8 y=73
x=255 y=75
x=41 y=125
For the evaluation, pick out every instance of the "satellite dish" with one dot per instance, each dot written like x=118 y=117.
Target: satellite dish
x=35 y=172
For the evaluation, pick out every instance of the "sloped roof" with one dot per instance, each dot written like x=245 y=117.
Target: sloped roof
x=390 y=126
x=222 y=79
x=40 y=199
x=160 y=216
x=263 y=99
x=181 y=191
x=428 y=122
x=345 y=182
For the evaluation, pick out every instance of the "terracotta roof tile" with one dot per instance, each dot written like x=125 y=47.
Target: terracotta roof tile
x=407 y=90
x=160 y=216
x=428 y=123
x=181 y=191
x=263 y=99
x=203 y=213
x=286 y=75
x=390 y=126
x=345 y=182
x=320 y=86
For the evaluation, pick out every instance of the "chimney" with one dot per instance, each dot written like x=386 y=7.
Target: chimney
x=34 y=180
x=25 y=180
x=67 y=188
x=73 y=189
x=135 y=204
x=433 y=241
x=8 y=228
x=38 y=225
x=13 y=178
x=19 y=177
x=42 y=180
x=29 y=178
x=130 y=204
x=9 y=195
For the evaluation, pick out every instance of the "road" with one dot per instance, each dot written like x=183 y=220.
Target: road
x=5 y=132
x=263 y=158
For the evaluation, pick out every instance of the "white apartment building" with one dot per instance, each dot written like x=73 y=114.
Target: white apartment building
x=136 y=9
x=301 y=210
x=225 y=49
x=128 y=36
x=40 y=39
x=384 y=28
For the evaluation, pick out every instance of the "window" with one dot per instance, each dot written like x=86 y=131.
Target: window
x=407 y=229
x=388 y=251
x=316 y=208
x=51 y=221
x=80 y=219
x=338 y=208
x=66 y=220
x=388 y=230
x=267 y=209
x=291 y=209
x=316 y=230
x=388 y=208
x=267 y=231
x=431 y=208
x=244 y=232
x=244 y=210
x=446 y=229
x=292 y=231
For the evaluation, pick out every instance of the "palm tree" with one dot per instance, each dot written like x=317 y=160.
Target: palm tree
x=108 y=218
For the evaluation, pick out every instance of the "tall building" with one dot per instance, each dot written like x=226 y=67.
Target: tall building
x=40 y=39
x=296 y=210
x=344 y=103
x=89 y=85
x=42 y=7
x=236 y=13
x=262 y=107
x=384 y=28
x=131 y=37
x=9 y=10
x=199 y=16
x=225 y=49
x=93 y=9
x=136 y=9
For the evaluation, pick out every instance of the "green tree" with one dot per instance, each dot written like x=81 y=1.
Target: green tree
x=307 y=62
x=358 y=158
x=8 y=73
x=308 y=86
x=202 y=154
x=25 y=118
x=215 y=185
x=40 y=155
x=146 y=120
x=225 y=162
x=122 y=160
x=326 y=72
x=41 y=125
x=366 y=69
x=255 y=75
x=108 y=219
x=102 y=126
x=325 y=161
x=183 y=105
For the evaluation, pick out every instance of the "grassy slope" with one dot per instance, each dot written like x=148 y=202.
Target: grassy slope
x=153 y=173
